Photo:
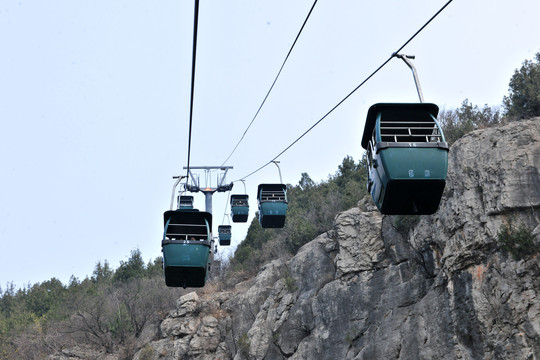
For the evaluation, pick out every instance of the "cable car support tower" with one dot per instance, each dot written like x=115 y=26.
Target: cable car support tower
x=208 y=190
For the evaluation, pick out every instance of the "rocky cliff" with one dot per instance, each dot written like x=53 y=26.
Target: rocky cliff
x=389 y=287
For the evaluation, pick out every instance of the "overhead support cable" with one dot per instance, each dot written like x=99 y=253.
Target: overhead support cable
x=226 y=205
x=193 y=62
x=273 y=83
x=394 y=54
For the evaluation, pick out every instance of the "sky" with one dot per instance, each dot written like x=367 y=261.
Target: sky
x=94 y=105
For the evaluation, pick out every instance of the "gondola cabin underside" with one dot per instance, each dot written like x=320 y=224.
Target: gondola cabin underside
x=185 y=265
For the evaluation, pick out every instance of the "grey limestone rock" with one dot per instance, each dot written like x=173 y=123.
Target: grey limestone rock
x=443 y=289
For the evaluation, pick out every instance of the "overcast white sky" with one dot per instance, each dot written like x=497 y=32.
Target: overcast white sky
x=94 y=104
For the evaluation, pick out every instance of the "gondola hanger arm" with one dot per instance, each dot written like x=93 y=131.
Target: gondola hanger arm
x=178 y=179
x=276 y=163
x=406 y=58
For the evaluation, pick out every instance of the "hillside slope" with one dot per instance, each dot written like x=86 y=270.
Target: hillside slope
x=443 y=289
x=391 y=287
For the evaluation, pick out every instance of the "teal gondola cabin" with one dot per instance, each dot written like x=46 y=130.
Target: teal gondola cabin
x=272 y=199
x=407 y=156
x=239 y=207
x=185 y=202
x=224 y=235
x=186 y=246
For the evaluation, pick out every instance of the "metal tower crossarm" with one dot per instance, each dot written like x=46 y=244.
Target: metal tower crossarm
x=208 y=191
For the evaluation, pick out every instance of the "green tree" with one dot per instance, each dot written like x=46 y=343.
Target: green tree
x=247 y=253
x=346 y=171
x=305 y=182
x=256 y=236
x=351 y=181
x=523 y=100
x=109 y=310
x=154 y=268
x=517 y=240
x=456 y=123
x=476 y=117
x=43 y=299
x=102 y=272
x=7 y=299
x=133 y=268
x=311 y=210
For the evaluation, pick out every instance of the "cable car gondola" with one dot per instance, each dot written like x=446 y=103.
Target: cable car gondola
x=272 y=199
x=185 y=202
x=224 y=233
x=239 y=208
x=407 y=156
x=186 y=246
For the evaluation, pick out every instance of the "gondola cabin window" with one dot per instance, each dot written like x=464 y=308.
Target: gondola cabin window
x=272 y=196
x=240 y=202
x=410 y=131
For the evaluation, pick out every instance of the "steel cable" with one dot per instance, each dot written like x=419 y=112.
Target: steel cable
x=193 y=62
x=273 y=83
x=350 y=93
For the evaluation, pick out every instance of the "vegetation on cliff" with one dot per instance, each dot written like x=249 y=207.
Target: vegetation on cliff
x=106 y=311
x=312 y=208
